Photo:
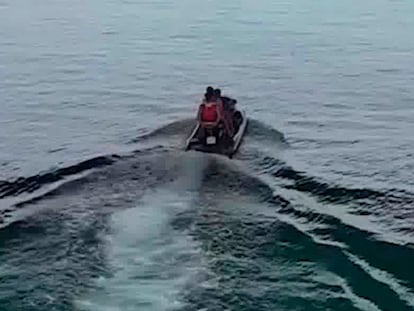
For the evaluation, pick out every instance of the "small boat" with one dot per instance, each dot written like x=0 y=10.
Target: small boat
x=211 y=138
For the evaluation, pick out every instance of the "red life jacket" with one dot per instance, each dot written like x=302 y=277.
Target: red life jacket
x=209 y=112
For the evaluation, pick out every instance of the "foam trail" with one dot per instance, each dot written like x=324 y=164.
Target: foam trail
x=151 y=262
x=192 y=168
x=384 y=277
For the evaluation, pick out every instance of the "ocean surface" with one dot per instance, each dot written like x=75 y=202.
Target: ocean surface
x=101 y=209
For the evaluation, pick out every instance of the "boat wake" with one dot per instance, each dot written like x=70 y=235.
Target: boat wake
x=160 y=229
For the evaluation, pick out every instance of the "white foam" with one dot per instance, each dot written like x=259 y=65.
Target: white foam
x=330 y=279
x=151 y=261
x=386 y=278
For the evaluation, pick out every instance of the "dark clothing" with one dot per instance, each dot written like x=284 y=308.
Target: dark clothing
x=228 y=103
x=228 y=99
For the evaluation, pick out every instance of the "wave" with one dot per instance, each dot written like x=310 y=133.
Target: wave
x=180 y=127
x=258 y=240
x=251 y=155
x=324 y=191
x=32 y=183
x=260 y=131
x=270 y=255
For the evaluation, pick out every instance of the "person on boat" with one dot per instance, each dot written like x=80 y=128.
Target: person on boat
x=210 y=109
x=209 y=94
x=215 y=109
x=224 y=105
x=228 y=103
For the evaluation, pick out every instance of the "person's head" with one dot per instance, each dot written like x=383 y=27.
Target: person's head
x=209 y=93
x=217 y=93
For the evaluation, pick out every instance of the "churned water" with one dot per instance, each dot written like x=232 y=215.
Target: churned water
x=101 y=209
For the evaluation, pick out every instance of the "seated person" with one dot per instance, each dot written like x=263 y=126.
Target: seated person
x=209 y=94
x=225 y=107
x=228 y=103
x=210 y=110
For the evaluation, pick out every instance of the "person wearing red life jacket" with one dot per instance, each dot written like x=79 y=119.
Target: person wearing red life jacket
x=209 y=110
x=212 y=111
